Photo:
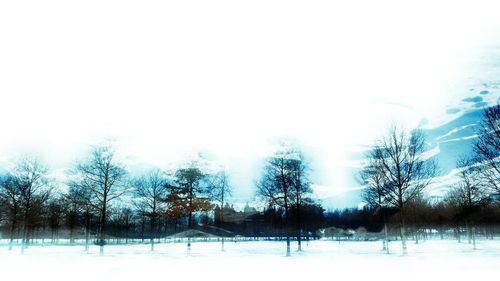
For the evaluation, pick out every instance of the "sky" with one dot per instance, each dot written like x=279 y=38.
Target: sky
x=166 y=80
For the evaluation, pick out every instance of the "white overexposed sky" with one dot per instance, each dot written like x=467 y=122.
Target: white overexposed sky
x=167 y=79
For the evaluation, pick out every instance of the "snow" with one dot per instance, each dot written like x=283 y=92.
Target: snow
x=323 y=260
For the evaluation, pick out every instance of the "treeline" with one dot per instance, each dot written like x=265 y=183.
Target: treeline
x=397 y=172
x=101 y=202
x=426 y=219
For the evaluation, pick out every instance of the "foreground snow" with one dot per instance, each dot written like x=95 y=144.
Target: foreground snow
x=320 y=260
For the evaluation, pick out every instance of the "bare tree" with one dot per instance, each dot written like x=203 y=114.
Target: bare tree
x=221 y=190
x=103 y=177
x=33 y=184
x=417 y=213
x=78 y=201
x=150 y=192
x=54 y=215
x=300 y=188
x=487 y=148
x=405 y=169
x=276 y=185
x=141 y=215
x=10 y=200
x=468 y=194
x=375 y=190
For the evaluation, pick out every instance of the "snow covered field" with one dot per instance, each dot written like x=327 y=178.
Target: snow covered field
x=320 y=260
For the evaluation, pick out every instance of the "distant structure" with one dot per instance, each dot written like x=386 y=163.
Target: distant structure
x=230 y=215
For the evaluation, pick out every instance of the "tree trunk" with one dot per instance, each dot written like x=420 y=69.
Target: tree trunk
x=153 y=222
x=402 y=233
x=222 y=220
x=12 y=228
x=299 y=227
x=190 y=218
x=143 y=226
x=87 y=231
x=287 y=233
x=25 y=227
x=286 y=228
x=386 y=241
x=102 y=228
x=71 y=239
x=473 y=234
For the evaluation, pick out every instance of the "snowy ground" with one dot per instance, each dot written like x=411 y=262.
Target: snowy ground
x=324 y=260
